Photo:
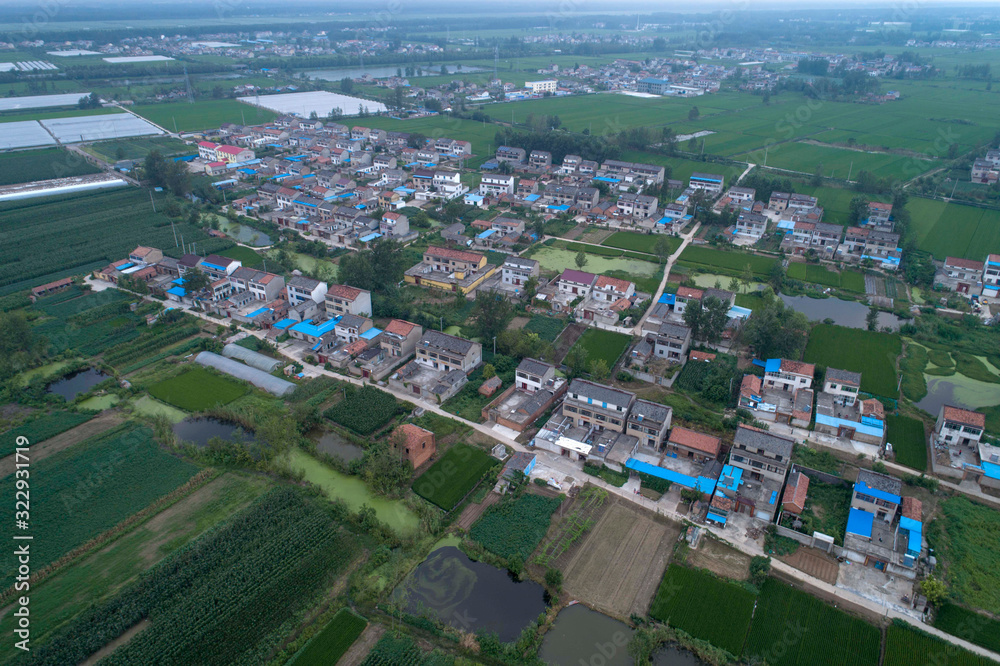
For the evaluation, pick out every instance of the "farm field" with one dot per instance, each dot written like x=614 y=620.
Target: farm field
x=547 y=328
x=969 y=552
x=453 y=475
x=64 y=440
x=514 y=526
x=336 y=638
x=704 y=606
x=955 y=230
x=364 y=410
x=838 y=162
x=259 y=569
x=248 y=257
x=47 y=426
x=606 y=345
x=905 y=645
x=197 y=389
x=69 y=592
x=556 y=260
x=822 y=635
x=630 y=240
x=25 y=166
x=847 y=279
x=969 y=625
x=398 y=649
x=733 y=263
x=872 y=354
x=50 y=114
x=138 y=148
x=618 y=564
x=80 y=233
x=203 y=114
x=126 y=470
x=908 y=440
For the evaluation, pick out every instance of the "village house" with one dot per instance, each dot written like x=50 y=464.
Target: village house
x=649 y=422
x=448 y=352
x=956 y=426
x=670 y=341
x=884 y=529
x=991 y=274
x=597 y=406
x=708 y=182
x=687 y=295
x=574 y=283
x=963 y=275
x=511 y=154
x=540 y=159
x=685 y=443
x=516 y=271
x=416 y=443
x=788 y=375
x=841 y=413
x=495 y=185
x=535 y=389
x=452 y=270
x=394 y=225
x=262 y=286
x=399 y=339
x=638 y=206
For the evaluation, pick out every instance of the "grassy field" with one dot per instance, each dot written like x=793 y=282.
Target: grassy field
x=245 y=255
x=872 y=354
x=25 y=166
x=330 y=644
x=705 y=606
x=547 y=328
x=515 y=526
x=972 y=561
x=606 y=345
x=453 y=475
x=203 y=114
x=630 y=240
x=906 y=645
x=732 y=263
x=554 y=259
x=847 y=279
x=86 y=490
x=908 y=441
x=72 y=590
x=793 y=628
x=197 y=389
x=973 y=627
x=954 y=230
x=83 y=232
x=138 y=148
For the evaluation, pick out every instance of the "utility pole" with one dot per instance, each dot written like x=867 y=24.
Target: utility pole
x=154 y=204
x=850 y=171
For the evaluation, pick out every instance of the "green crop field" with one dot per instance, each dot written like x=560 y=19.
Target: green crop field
x=245 y=255
x=793 y=628
x=364 y=410
x=86 y=490
x=257 y=572
x=969 y=625
x=600 y=344
x=80 y=233
x=47 y=426
x=515 y=526
x=954 y=230
x=705 y=606
x=547 y=328
x=908 y=441
x=630 y=240
x=727 y=263
x=197 y=389
x=398 y=649
x=25 y=166
x=92 y=323
x=872 y=354
x=453 y=475
x=138 y=148
x=906 y=645
x=50 y=114
x=968 y=550
x=838 y=162
x=847 y=279
x=203 y=114
x=330 y=644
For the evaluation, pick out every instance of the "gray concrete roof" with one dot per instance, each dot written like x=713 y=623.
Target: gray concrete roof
x=649 y=410
x=600 y=393
x=843 y=376
x=764 y=441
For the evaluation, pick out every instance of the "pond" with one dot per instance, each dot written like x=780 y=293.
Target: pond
x=471 y=596
x=581 y=636
x=844 y=313
x=382 y=72
x=198 y=430
x=245 y=234
x=332 y=444
x=353 y=492
x=557 y=260
x=958 y=390
x=76 y=383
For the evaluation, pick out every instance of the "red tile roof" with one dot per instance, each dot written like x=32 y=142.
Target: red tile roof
x=616 y=283
x=751 y=384
x=695 y=440
x=964 y=416
x=963 y=263
x=414 y=434
x=400 y=327
x=701 y=356
x=798 y=367
x=796 y=492
x=912 y=508
x=690 y=292
x=457 y=255
x=344 y=291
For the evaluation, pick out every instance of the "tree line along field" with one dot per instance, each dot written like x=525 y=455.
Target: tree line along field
x=47 y=238
x=25 y=166
x=86 y=490
x=954 y=230
x=264 y=565
x=203 y=114
x=872 y=354
x=197 y=389
x=453 y=475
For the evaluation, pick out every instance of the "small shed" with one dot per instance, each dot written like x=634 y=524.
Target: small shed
x=490 y=386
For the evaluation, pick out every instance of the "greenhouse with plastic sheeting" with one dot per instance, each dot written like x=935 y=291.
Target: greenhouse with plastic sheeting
x=258 y=378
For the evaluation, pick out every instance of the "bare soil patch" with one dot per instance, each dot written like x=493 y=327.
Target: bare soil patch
x=517 y=323
x=814 y=562
x=720 y=559
x=618 y=565
x=567 y=339
x=472 y=512
x=115 y=644
x=366 y=641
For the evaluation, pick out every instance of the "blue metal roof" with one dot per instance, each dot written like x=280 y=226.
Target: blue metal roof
x=178 y=281
x=772 y=365
x=370 y=237
x=308 y=328
x=533 y=197
x=563 y=207
x=284 y=323
x=258 y=312
x=862 y=487
x=860 y=522
x=914 y=528
x=758 y=363
x=177 y=291
x=212 y=266
x=487 y=233
x=125 y=265
x=370 y=334
x=702 y=483
x=991 y=470
x=669 y=299
x=731 y=478
x=605 y=179
x=716 y=517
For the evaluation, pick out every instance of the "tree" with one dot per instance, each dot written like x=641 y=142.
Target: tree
x=195 y=281
x=489 y=372
x=775 y=330
x=734 y=285
x=599 y=370
x=581 y=260
x=871 y=319
x=707 y=318
x=20 y=346
x=492 y=313
x=384 y=468
x=553 y=579
x=694 y=113
x=416 y=140
x=747 y=278
x=662 y=248
x=530 y=288
x=776 y=277
x=575 y=361
x=347 y=85
x=934 y=589
x=858 y=209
